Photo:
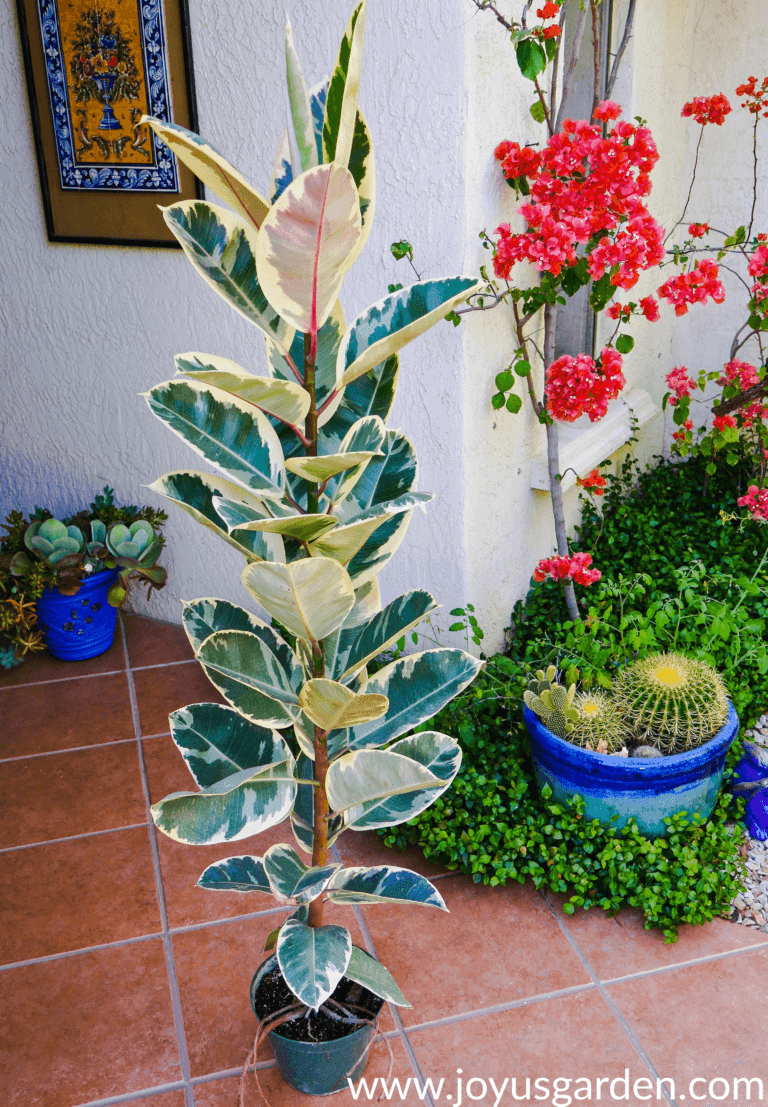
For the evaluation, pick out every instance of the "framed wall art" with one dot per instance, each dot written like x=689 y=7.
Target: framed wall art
x=94 y=68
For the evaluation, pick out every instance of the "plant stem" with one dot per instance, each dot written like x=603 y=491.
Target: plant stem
x=310 y=424
x=553 y=467
x=595 y=56
x=620 y=52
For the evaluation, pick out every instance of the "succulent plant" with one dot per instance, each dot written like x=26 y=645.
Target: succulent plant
x=137 y=542
x=554 y=706
x=672 y=702
x=599 y=722
x=51 y=540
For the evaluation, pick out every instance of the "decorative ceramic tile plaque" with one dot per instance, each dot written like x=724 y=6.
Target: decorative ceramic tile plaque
x=93 y=70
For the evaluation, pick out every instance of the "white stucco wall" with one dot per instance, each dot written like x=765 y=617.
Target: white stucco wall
x=87 y=328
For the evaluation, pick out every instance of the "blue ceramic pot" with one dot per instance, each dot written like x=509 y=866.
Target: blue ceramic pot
x=756 y=810
x=616 y=788
x=316 y=1068
x=80 y=626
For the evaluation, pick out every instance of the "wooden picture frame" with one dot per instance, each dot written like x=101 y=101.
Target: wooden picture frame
x=93 y=68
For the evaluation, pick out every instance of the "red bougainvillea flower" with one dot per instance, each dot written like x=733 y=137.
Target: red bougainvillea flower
x=650 y=308
x=758 y=263
x=606 y=110
x=619 y=311
x=552 y=31
x=694 y=287
x=722 y=422
x=516 y=160
x=741 y=373
x=575 y=568
x=756 y=501
x=680 y=383
x=698 y=230
x=584 y=187
x=593 y=482
x=682 y=434
x=578 y=385
x=708 y=109
x=549 y=11
x=754 y=414
x=756 y=97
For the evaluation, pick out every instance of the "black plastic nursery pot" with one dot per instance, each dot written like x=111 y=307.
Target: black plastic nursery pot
x=322 y=1066
x=80 y=626
x=617 y=789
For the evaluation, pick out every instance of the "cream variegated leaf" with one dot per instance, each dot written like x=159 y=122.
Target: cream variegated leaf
x=319 y=469
x=300 y=129
x=331 y=705
x=304 y=528
x=284 y=399
x=306 y=245
x=212 y=169
x=343 y=89
x=366 y=776
x=311 y=597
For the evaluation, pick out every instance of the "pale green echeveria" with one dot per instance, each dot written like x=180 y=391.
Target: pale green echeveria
x=316 y=494
x=52 y=540
x=137 y=542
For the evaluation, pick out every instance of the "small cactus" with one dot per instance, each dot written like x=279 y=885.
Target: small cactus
x=672 y=702
x=600 y=725
x=553 y=704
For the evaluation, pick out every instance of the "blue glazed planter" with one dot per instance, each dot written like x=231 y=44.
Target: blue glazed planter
x=756 y=810
x=80 y=626
x=616 y=788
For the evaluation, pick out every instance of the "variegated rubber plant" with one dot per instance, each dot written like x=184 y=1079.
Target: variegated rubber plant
x=316 y=494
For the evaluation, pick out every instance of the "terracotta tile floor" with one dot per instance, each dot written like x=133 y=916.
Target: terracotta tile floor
x=123 y=983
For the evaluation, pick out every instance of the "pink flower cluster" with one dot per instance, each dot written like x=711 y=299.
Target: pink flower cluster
x=698 y=230
x=756 y=501
x=754 y=413
x=740 y=373
x=680 y=383
x=583 y=185
x=578 y=384
x=708 y=109
x=756 y=97
x=722 y=422
x=758 y=263
x=648 y=307
x=694 y=287
x=575 y=568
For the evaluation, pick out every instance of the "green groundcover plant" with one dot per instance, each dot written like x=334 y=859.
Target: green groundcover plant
x=703 y=588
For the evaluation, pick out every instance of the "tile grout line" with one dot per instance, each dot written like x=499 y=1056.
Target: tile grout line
x=77 y=952
x=609 y=1002
x=69 y=749
x=710 y=957
x=500 y=1008
x=178 y=1017
x=73 y=837
x=92 y=676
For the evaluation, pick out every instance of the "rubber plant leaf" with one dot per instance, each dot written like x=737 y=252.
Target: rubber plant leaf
x=303 y=811
x=388 y=325
x=234 y=436
x=338 y=645
x=236 y=874
x=345 y=542
x=367 y=435
x=221 y=247
x=372 y=975
x=241 y=805
x=285 y=399
x=417 y=687
x=385 y=478
x=343 y=89
x=384 y=884
x=212 y=169
x=437 y=753
x=198 y=494
x=371 y=394
x=203 y=617
x=252 y=676
x=331 y=705
x=311 y=597
x=306 y=245
x=366 y=777
x=304 y=528
x=322 y=468
x=312 y=959
x=385 y=627
x=216 y=742
x=291 y=880
x=300 y=128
